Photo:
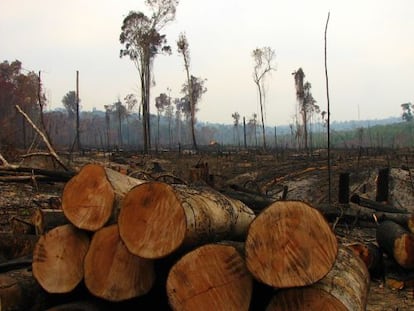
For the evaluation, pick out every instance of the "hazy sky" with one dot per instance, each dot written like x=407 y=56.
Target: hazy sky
x=370 y=53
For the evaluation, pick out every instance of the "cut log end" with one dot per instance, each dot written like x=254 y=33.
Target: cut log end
x=88 y=198
x=112 y=272
x=212 y=277
x=152 y=212
x=58 y=259
x=290 y=244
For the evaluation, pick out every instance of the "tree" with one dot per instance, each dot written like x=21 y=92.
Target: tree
x=407 y=112
x=193 y=91
x=252 y=125
x=120 y=112
x=130 y=101
x=17 y=88
x=236 y=119
x=306 y=102
x=69 y=101
x=183 y=49
x=142 y=39
x=161 y=102
x=263 y=65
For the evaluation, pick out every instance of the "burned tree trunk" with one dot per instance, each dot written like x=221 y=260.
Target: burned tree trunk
x=14 y=245
x=345 y=287
x=47 y=219
x=290 y=244
x=112 y=272
x=397 y=242
x=58 y=258
x=211 y=277
x=156 y=219
x=93 y=195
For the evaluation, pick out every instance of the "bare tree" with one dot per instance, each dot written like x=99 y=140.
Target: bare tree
x=143 y=41
x=263 y=65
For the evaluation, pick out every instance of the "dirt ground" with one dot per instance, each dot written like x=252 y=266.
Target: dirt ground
x=306 y=179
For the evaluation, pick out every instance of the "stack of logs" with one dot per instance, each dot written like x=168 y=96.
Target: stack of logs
x=151 y=244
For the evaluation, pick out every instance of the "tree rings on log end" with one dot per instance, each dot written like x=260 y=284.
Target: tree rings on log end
x=211 y=277
x=112 y=272
x=152 y=221
x=58 y=258
x=290 y=244
x=88 y=198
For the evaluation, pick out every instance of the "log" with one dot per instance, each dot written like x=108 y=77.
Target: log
x=371 y=255
x=16 y=245
x=46 y=219
x=290 y=244
x=157 y=219
x=211 y=277
x=20 y=291
x=355 y=198
x=112 y=272
x=397 y=242
x=58 y=258
x=345 y=287
x=91 y=197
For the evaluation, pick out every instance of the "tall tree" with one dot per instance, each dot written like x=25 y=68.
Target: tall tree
x=263 y=65
x=183 y=49
x=16 y=88
x=120 y=112
x=236 y=120
x=161 y=102
x=193 y=92
x=70 y=102
x=407 y=112
x=306 y=102
x=142 y=42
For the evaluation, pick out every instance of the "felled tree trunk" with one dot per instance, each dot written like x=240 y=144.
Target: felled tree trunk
x=15 y=245
x=290 y=244
x=112 y=272
x=345 y=287
x=93 y=195
x=20 y=291
x=397 y=242
x=371 y=255
x=156 y=219
x=211 y=277
x=58 y=258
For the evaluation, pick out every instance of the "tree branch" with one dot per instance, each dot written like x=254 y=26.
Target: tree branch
x=44 y=138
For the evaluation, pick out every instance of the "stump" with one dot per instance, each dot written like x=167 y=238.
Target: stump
x=211 y=277
x=345 y=287
x=92 y=196
x=58 y=258
x=156 y=219
x=112 y=272
x=397 y=242
x=290 y=244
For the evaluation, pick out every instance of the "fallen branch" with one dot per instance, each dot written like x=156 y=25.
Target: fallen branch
x=45 y=140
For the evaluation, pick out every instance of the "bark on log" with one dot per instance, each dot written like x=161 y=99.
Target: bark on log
x=156 y=219
x=371 y=255
x=14 y=245
x=20 y=291
x=211 y=277
x=345 y=287
x=290 y=244
x=93 y=196
x=355 y=198
x=112 y=272
x=58 y=258
x=397 y=242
